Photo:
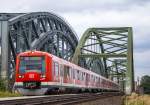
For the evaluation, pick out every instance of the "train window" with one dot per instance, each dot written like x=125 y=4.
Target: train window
x=82 y=76
x=98 y=80
x=78 y=75
x=87 y=77
x=61 y=70
x=95 y=79
x=73 y=73
x=70 y=72
x=66 y=71
x=56 y=69
x=32 y=64
x=92 y=78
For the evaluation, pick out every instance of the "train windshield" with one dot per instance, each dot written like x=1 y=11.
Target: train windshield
x=28 y=64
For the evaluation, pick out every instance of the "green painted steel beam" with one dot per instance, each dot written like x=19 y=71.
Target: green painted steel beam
x=103 y=55
x=130 y=65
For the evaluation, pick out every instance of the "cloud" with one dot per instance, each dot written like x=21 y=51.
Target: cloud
x=137 y=18
x=68 y=5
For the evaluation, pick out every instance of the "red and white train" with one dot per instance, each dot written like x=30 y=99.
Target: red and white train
x=38 y=72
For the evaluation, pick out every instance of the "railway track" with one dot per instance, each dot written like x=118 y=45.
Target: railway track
x=68 y=99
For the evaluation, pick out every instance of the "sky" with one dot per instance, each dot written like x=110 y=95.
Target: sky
x=82 y=14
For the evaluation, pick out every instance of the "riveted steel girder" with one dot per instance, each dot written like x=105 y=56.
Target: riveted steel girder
x=109 y=52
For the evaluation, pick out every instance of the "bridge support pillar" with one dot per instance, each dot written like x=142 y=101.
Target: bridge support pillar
x=4 y=50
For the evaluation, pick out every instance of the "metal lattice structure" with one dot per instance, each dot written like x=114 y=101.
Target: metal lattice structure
x=109 y=52
x=34 y=31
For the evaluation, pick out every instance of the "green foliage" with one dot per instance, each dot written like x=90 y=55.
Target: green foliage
x=3 y=90
x=2 y=85
x=8 y=94
x=145 y=83
x=145 y=79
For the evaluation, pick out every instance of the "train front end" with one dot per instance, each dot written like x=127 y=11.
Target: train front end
x=31 y=72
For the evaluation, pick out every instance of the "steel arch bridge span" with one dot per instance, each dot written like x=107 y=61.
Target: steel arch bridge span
x=34 y=31
x=46 y=42
x=109 y=52
x=26 y=30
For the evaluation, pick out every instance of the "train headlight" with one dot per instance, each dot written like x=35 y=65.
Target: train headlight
x=21 y=76
x=43 y=76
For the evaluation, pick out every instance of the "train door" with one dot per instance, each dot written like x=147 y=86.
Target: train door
x=61 y=73
x=70 y=75
x=56 y=74
x=87 y=80
x=66 y=74
x=74 y=74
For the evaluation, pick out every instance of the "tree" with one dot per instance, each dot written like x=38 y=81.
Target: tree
x=145 y=83
x=2 y=85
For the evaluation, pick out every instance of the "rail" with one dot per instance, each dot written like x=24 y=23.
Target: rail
x=65 y=99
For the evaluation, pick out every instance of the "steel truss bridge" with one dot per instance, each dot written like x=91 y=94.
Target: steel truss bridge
x=107 y=51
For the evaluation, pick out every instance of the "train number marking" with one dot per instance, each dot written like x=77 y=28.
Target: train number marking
x=31 y=76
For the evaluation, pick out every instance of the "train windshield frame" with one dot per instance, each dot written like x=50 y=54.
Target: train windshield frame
x=32 y=63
